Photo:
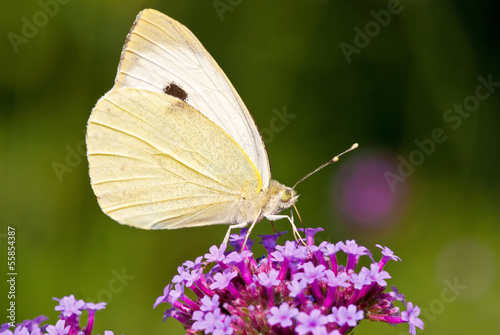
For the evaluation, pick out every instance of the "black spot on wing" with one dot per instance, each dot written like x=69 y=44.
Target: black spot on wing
x=176 y=91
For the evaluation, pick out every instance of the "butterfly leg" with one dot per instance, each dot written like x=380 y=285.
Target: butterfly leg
x=250 y=230
x=296 y=233
x=231 y=227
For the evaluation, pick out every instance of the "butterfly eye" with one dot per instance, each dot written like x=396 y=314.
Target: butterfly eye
x=286 y=195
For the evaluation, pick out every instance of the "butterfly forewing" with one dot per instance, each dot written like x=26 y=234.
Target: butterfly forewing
x=161 y=55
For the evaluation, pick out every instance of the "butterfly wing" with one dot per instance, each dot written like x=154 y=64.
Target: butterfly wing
x=161 y=54
x=157 y=163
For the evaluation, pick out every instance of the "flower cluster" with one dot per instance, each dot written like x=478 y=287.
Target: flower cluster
x=294 y=289
x=69 y=323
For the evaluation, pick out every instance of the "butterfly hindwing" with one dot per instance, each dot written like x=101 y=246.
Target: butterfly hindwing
x=156 y=162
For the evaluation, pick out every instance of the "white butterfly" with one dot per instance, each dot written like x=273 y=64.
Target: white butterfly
x=172 y=145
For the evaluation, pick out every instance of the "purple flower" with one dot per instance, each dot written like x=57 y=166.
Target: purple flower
x=329 y=248
x=313 y=294
x=411 y=316
x=237 y=257
x=283 y=315
x=353 y=252
x=69 y=306
x=333 y=280
x=178 y=278
x=360 y=280
x=236 y=241
x=190 y=277
x=4 y=329
x=349 y=315
x=378 y=276
x=163 y=298
x=396 y=295
x=209 y=305
x=216 y=254
x=269 y=241
x=58 y=329
x=69 y=323
x=268 y=280
x=324 y=331
x=18 y=331
x=29 y=327
x=332 y=317
x=23 y=331
x=198 y=316
x=387 y=255
x=95 y=307
x=173 y=313
x=222 y=280
x=310 y=232
x=177 y=293
x=351 y=248
x=193 y=265
x=311 y=272
x=223 y=327
x=283 y=252
x=333 y=332
x=313 y=322
x=296 y=287
x=209 y=321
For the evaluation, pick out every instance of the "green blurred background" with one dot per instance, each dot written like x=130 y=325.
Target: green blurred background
x=442 y=220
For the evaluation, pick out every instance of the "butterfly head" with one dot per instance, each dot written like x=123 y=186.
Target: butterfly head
x=279 y=197
x=287 y=196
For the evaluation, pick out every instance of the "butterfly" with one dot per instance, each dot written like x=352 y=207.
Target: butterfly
x=172 y=144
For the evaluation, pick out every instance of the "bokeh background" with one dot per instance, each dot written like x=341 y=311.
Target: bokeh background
x=423 y=182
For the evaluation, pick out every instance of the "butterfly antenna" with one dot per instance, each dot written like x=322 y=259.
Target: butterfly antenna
x=333 y=160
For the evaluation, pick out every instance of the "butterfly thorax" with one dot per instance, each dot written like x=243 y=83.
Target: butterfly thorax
x=270 y=201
